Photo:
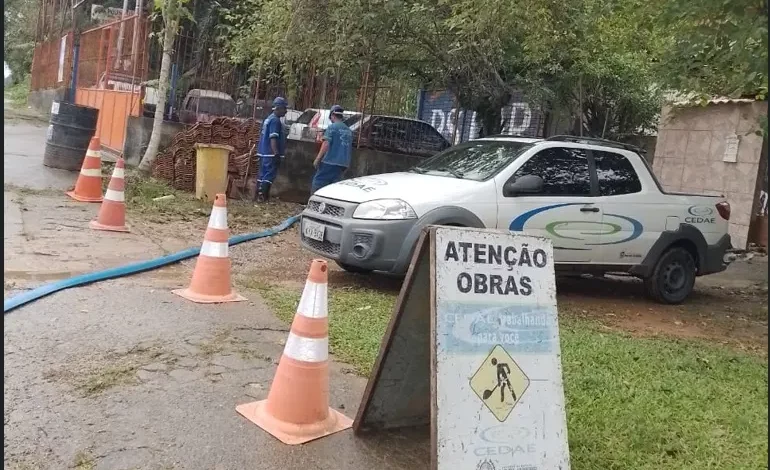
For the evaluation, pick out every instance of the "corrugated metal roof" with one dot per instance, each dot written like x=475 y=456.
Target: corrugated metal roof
x=678 y=99
x=717 y=101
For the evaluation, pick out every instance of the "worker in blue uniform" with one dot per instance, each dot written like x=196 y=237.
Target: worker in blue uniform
x=334 y=156
x=271 y=149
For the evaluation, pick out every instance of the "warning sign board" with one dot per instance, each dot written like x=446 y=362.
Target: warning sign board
x=499 y=383
x=472 y=351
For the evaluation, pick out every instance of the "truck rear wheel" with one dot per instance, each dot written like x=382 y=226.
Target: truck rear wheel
x=673 y=278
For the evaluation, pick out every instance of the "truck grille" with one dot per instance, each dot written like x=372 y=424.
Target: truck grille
x=329 y=209
x=324 y=247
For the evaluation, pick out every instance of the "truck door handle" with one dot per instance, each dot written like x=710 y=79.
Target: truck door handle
x=589 y=209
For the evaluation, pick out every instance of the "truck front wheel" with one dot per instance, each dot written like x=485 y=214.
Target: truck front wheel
x=673 y=278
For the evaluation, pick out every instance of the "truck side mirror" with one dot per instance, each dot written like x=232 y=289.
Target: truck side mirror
x=527 y=184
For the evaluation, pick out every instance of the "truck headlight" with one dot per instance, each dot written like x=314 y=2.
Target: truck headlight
x=385 y=209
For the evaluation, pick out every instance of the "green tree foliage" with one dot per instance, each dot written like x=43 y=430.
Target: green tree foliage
x=606 y=62
x=482 y=51
x=19 y=23
x=715 y=47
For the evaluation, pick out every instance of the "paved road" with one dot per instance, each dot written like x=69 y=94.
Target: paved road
x=123 y=374
x=23 y=147
x=180 y=369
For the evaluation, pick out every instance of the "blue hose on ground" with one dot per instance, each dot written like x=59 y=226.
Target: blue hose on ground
x=133 y=268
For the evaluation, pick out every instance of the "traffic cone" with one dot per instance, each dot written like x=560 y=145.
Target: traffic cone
x=112 y=214
x=211 y=278
x=88 y=187
x=297 y=407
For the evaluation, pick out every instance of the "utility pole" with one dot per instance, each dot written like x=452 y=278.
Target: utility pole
x=121 y=33
x=75 y=51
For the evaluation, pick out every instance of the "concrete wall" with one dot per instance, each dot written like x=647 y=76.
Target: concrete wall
x=138 y=130
x=294 y=178
x=42 y=100
x=689 y=156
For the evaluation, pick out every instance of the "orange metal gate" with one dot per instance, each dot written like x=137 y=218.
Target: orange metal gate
x=111 y=68
x=114 y=109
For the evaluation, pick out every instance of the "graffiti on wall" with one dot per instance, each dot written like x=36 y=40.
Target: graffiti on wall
x=459 y=125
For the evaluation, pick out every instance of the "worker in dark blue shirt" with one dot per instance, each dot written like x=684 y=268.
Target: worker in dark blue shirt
x=271 y=149
x=334 y=157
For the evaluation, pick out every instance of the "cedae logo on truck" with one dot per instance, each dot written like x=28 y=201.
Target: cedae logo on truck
x=366 y=184
x=610 y=228
x=700 y=215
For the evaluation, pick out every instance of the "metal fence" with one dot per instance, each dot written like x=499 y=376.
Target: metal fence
x=110 y=72
x=51 y=63
x=112 y=56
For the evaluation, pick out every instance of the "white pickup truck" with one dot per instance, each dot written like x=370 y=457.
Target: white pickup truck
x=597 y=200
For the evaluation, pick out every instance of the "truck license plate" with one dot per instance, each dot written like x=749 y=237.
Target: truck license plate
x=313 y=230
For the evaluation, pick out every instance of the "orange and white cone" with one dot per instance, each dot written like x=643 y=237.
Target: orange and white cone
x=297 y=407
x=88 y=187
x=211 y=278
x=112 y=214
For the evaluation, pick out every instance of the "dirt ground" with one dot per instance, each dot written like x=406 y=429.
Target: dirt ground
x=729 y=307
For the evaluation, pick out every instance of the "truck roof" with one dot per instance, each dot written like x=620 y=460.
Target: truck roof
x=512 y=138
x=570 y=138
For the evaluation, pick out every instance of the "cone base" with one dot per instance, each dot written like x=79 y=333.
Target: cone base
x=293 y=434
x=110 y=228
x=80 y=198
x=208 y=299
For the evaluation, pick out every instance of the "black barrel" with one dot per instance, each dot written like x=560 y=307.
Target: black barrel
x=69 y=133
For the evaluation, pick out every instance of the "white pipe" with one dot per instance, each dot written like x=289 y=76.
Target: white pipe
x=120 y=34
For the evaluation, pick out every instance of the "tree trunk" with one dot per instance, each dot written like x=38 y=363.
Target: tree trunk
x=165 y=66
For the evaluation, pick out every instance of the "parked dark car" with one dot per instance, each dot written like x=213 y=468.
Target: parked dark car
x=396 y=134
x=205 y=105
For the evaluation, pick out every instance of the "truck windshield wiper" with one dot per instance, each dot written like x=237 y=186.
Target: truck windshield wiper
x=455 y=173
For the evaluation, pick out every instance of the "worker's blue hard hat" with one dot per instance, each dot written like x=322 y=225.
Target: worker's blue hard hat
x=280 y=102
x=337 y=109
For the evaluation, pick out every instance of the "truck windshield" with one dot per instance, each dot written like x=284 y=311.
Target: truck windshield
x=216 y=106
x=476 y=160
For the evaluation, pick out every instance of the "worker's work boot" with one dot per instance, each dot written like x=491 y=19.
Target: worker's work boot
x=266 y=193
x=260 y=193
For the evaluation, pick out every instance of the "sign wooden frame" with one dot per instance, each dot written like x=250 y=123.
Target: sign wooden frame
x=420 y=262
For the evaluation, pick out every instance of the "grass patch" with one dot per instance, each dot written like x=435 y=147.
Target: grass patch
x=243 y=216
x=356 y=328
x=84 y=461
x=224 y=342
x=631 y=403
x=18 y=93
x=216 y=345
x=96 y=375
x=27 y=191
x=106 y=378
x=23 y=465
x=660 y=403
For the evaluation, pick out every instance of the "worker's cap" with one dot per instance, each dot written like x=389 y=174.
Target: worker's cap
x=280 y=102
x=337 y=109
